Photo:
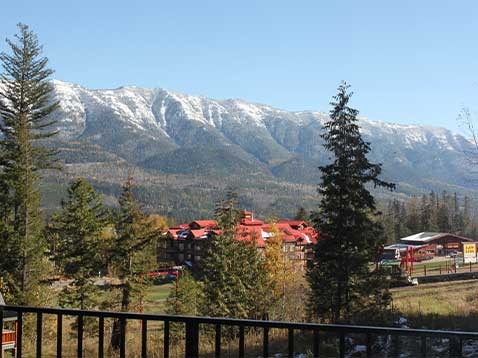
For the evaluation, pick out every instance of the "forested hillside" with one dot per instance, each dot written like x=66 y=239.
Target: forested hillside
x=187 y=150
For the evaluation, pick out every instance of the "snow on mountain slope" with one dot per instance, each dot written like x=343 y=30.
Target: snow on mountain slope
x=138 y=123
x=147 y=109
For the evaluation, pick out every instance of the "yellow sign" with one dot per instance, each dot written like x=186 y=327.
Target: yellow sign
x=469 y=252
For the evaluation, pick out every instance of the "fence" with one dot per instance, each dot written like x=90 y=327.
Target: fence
x=455 y=339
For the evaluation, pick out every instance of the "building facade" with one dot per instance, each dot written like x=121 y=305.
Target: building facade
x=185 y=244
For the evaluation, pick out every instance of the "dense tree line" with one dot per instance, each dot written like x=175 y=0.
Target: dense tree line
x=434 y=212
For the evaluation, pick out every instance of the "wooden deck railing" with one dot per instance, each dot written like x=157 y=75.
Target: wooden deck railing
x=454 y=339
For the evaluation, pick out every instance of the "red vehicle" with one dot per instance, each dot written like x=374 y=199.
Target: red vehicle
x=9 y=330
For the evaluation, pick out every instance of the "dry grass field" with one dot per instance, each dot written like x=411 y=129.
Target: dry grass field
x=445 y=305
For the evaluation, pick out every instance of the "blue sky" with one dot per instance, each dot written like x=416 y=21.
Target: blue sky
x=408 y=61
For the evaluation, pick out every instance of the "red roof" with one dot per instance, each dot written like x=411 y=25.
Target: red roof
x=204 y=223
x=249 y=222
x=247 y=234
x=294 y=223
x=292 y=231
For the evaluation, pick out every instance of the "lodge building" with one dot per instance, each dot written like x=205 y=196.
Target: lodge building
x=185 y=243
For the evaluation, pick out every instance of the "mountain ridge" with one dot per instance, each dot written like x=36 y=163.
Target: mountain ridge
x=271 y=153
x=148 y=122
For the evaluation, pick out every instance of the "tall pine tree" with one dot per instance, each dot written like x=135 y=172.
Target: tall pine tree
x=133 y=251
x=25 y=106
x=78 y=229
x=234 y=281
x=341 y=283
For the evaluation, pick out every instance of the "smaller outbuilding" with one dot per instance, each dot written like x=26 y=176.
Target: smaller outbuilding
x=436 y=244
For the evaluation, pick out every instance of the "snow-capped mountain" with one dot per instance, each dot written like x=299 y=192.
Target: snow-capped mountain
x=172 y=132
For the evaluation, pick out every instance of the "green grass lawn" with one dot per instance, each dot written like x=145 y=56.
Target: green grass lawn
x=155 y=297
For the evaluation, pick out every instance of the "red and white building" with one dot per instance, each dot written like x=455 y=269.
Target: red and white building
x=185 y=243
x=426 y=245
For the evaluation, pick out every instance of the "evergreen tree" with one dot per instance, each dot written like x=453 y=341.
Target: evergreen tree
x=388 y=222
x=341 y=283
x=25 y=108
x=78 y=229
x=442 y=216
x=234 y=281
x=187 y=297
x=425 y=214
x=434 y=204
x=399 y=215
x=302 y=215
x=458 y=218
x=133 y=251
x=412 y=214
x=467 y=217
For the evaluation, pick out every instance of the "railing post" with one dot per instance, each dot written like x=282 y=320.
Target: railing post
x=291 y=343
x=241 y=341
x=455 y=349
x=122 y=337
x=342 y=344
x=396 y=345
x=316 y=345
x=265 y=344
x=369 y=345
x=101 y=334
x=39 y=333
x=192 y=339
x=166 y=339
x=144 y=338
x=19 y=333
x=59 y=334
x=423 y=346
x=79 y=350
x=218 y=341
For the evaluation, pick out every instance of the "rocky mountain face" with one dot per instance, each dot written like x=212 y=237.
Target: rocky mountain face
x=192 y=135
